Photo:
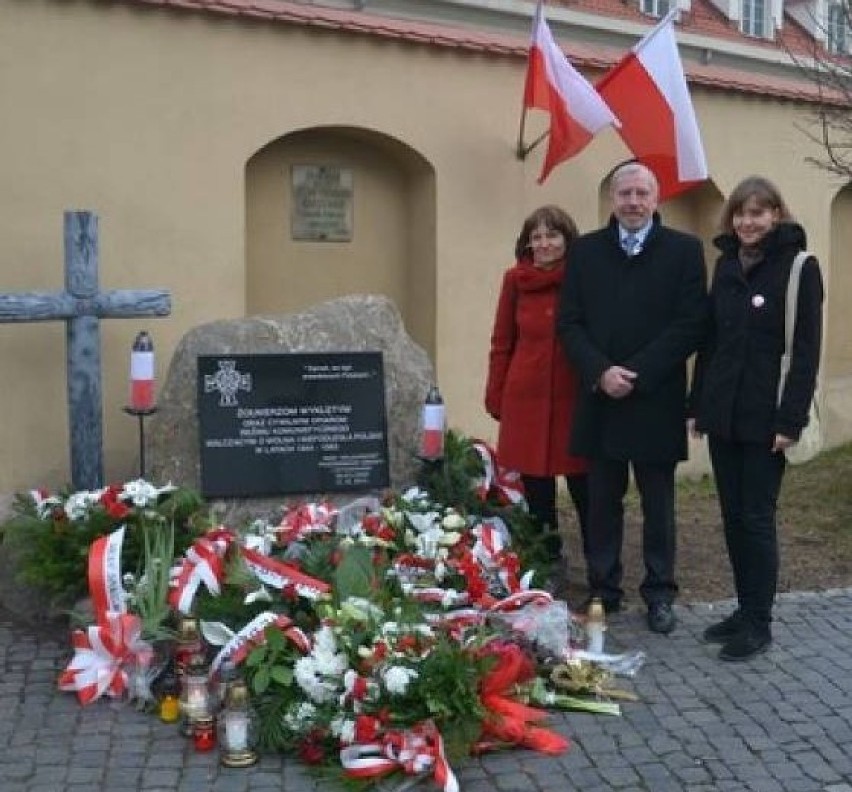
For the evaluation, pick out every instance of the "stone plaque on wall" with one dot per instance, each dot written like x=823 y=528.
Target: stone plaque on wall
x=322 y=203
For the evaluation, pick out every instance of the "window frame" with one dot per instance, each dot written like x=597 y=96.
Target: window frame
x=652 y=8
x=836 y=29
x=752 y=24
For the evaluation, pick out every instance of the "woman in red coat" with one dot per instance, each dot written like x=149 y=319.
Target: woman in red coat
x=531 y=387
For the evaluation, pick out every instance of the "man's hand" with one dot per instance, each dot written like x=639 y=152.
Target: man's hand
x=617 y=382
x=780 y=443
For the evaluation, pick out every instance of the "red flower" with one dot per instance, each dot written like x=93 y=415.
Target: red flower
x=311 y=751
x=112 y=505
x=117 y=510
x=366 y=728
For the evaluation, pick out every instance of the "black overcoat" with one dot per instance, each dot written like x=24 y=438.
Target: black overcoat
x=646 y=313
x=736 y=378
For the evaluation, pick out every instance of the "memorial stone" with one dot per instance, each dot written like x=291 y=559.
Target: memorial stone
x=352 y=324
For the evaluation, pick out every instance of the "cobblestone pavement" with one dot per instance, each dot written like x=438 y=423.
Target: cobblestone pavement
x=780 y=723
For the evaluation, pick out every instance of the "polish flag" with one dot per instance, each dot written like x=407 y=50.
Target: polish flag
x=555 y=86
x=647 y=91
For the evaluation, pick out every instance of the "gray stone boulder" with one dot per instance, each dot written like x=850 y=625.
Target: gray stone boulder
x=356 y=323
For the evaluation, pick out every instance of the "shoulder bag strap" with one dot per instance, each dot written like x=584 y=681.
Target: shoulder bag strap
x=790 y=317
x=793 y=299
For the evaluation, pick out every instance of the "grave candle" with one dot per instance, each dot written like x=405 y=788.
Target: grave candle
x=142 y=373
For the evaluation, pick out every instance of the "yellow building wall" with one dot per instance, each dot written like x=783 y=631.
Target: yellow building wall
x=175 y=127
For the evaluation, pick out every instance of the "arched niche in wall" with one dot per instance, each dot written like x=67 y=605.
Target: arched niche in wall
x=339 y=210
x=837 y=273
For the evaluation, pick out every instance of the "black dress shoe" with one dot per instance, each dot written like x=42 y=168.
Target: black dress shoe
x=661 y=618
x=745 y=644
x=723 y=631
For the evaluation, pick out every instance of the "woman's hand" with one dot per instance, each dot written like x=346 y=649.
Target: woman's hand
x=780 y=443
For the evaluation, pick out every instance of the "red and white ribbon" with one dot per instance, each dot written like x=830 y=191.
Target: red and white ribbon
x=447 y=598
x=253 y=635
x=507 y=483
x=413 y=751
x=105 y=575
x=489 y=544
x=100 y=652
x=309 y=518
x=521 y=598
x=280 y=574
x=457 y=622
x=202 y=563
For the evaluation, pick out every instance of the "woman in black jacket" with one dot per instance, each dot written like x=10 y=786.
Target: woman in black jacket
x=735 y=394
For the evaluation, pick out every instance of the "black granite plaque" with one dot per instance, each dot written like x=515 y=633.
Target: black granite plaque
x=292 y=424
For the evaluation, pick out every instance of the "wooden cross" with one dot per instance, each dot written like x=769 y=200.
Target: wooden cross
x=82 y=307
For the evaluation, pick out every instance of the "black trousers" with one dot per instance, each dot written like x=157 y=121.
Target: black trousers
x=748 y=479
x=540 y=493
x=608 y=479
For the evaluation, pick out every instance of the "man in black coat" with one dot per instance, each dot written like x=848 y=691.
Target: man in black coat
x=633 y=309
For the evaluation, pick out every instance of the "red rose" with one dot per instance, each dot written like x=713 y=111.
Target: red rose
x=366 y=728
x=117 y=510
x=311 y=750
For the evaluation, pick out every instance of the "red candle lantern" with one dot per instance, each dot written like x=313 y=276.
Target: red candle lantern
x=204 y=734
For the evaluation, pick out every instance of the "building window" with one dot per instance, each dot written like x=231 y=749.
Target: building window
x=655 y=8
x=836 y=39
x=753 y=19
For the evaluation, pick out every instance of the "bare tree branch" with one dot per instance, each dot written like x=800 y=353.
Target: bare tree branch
x=829 y=124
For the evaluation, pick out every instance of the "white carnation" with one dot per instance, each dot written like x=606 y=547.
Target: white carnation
x=343 y=728
x=453 y=522
x=397 y=679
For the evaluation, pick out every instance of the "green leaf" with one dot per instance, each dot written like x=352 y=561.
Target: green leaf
x=256 y=656
x=260 y=681
x=355 y=575
x=275 y=640
x=283 y=675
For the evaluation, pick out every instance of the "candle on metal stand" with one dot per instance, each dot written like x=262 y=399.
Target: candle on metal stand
x=433 y=425
x=142 y=373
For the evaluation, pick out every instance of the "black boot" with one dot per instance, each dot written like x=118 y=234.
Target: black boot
x=753 y=639
x=721 y=632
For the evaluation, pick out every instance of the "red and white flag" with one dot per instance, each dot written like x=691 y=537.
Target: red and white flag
x=555 y=86
x=647 y=91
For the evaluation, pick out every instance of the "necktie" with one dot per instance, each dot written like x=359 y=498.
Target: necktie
x=631 y=244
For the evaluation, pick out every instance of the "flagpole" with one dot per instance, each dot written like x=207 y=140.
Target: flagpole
x=672 y=15
x=522 y=152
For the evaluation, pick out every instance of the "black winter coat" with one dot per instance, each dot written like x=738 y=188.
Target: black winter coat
x=735 y=391
x=646 y=313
